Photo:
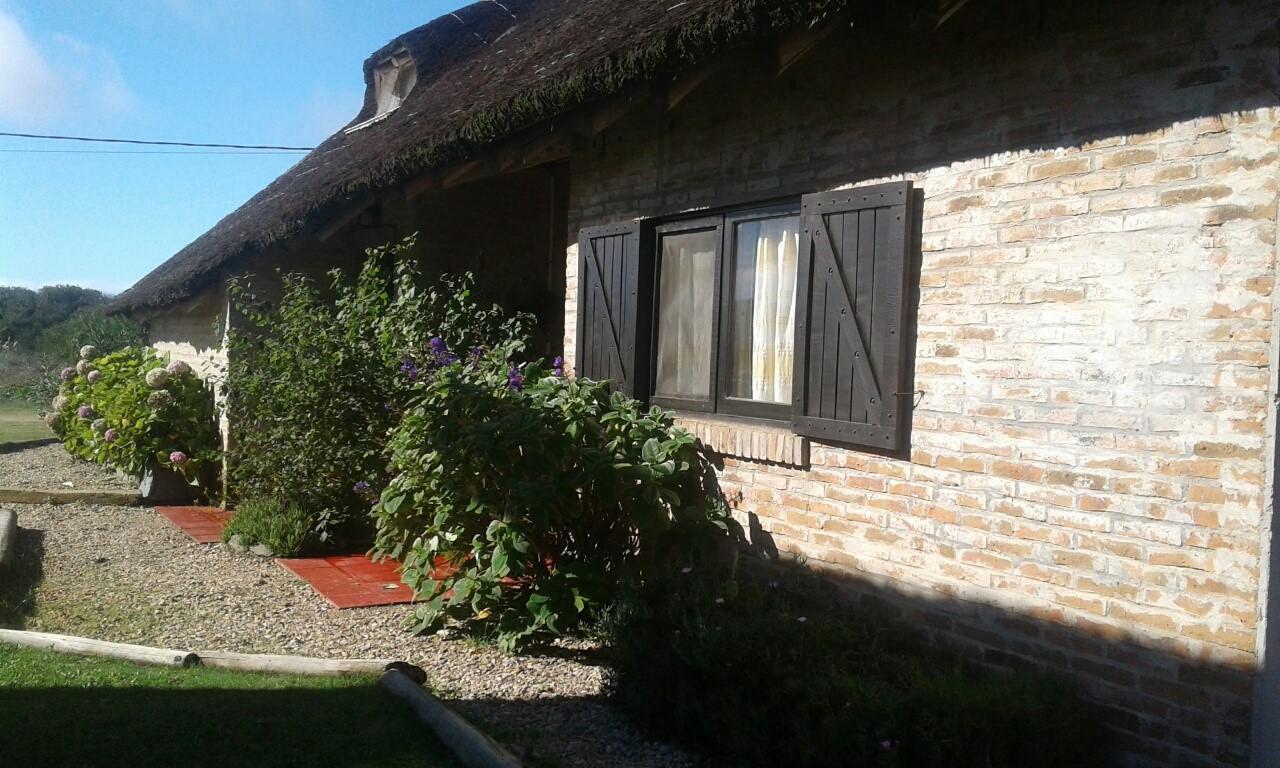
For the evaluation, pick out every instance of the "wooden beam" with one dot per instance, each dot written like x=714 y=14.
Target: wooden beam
x=685 y=84
x=419 y=184
x=797 y=45
x=345 y=217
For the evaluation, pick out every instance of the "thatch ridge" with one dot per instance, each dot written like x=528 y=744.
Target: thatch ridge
x=484 y=72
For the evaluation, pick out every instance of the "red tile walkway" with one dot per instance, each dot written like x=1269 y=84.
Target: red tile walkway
x=204 y=524
x=351 y=581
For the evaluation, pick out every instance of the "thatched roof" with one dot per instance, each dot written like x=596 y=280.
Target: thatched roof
x=485 y=71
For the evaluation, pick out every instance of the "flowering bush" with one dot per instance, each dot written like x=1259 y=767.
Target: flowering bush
x=315 y=383
x=111 y=414
x=523 y=500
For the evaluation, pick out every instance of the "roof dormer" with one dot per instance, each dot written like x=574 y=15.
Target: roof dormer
x=393 y=78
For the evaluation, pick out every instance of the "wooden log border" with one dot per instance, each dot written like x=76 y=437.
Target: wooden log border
x=8 y=537
x=84 y=646
x=472 y=747
x=100 y=496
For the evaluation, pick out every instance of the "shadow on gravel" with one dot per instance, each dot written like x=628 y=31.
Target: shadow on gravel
x=18 y=583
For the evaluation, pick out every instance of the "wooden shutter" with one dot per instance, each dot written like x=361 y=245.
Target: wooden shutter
x=851 y=303
x=611 y=284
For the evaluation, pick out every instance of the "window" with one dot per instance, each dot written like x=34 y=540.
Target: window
x=724 y=310
x=790 y=312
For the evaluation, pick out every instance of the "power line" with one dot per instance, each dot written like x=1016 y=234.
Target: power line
x=155 y=143
x=144 y=152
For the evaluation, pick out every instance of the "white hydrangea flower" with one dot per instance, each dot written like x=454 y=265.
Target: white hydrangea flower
x=178 y=368
x=88 y=352
x=83 y=367
x=99 y=426
x=60 y=402
x=157 y=378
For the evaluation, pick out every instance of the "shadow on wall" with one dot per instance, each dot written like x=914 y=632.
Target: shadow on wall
x=1163 y=708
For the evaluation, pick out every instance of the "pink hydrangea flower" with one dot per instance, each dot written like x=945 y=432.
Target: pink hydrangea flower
x=111 y=436
x=178 y=457
x=85 y=412
x=67 y=374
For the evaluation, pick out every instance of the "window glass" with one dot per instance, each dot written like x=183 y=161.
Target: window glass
x=685 y=305
x=763 y=308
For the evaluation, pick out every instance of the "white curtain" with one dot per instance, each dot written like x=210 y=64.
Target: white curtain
x=773 y=311
x=684 y=315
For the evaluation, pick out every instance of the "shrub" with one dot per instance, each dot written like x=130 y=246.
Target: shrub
x=126 y=409
x=283 y=527
x=316 y=382
x=764 y=669
x=523 y=500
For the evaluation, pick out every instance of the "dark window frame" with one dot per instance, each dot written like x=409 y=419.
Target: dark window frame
x=702 y=223
x=724 y=221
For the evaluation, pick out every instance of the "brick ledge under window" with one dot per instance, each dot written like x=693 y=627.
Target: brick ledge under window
x=748 y=440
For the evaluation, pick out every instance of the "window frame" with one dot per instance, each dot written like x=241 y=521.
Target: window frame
x=724 y=221
x=676 y=227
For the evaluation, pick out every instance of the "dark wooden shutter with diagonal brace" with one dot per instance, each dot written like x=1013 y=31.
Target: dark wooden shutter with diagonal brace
x=852 y=299
x=611 y=313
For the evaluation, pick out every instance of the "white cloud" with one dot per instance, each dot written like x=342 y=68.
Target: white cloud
x=69 y=77
x=30 y=91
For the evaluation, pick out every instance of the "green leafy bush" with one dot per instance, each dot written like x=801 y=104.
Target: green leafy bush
x=283 y=527
x=128 y=409
x=765 y=669
x=315 y=382
x=523 y=499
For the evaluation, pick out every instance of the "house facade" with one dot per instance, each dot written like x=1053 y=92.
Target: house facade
x=972 y=303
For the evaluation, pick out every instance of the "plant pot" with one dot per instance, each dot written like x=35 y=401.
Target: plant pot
x=163 y=485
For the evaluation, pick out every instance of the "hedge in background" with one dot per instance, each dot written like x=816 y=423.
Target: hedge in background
x=316 y=382
x=129 y=410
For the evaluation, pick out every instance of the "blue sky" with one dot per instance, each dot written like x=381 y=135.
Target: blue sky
x=282 y=72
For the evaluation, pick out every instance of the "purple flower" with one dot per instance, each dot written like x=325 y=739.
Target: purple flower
x=440 y=351
x=111 y=436
x=409 y=367
x=557 y=367
x=514 y=380
x=85 y=412
x=67 y=374
x=178 y=457
x=93 y=376
x=361 y=487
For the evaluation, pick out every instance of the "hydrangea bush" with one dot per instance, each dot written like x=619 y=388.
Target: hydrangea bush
x=523 y=500
x=127 y=409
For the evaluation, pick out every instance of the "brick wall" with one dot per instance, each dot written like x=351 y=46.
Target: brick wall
x=1087 y=485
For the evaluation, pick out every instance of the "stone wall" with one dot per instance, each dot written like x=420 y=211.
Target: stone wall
x=1087 y=485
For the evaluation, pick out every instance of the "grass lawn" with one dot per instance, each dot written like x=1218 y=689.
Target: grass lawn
x=78 y=711
x=19 y=421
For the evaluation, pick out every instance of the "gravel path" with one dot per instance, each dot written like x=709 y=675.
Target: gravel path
x=50 y=467
x=125 y=574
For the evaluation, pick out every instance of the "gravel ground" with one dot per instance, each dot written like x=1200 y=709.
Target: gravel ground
x=50 y=467
x=125 y=574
